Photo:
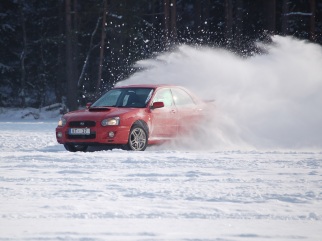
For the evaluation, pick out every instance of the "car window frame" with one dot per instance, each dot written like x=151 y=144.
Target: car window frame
x=191 y=103
x=165 y=104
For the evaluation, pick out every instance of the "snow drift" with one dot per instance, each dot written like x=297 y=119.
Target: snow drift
x=271 y=100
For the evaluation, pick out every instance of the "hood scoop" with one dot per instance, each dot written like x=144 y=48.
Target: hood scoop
x=99 y=109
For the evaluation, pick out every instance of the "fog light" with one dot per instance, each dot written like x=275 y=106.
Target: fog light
x=111 y=134
x=59 y=134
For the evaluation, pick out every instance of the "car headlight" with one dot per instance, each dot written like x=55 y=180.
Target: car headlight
x=62 y=122
x=114 y=121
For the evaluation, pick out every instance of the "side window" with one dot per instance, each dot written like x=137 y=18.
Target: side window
x=165 y=96
x=182 y=98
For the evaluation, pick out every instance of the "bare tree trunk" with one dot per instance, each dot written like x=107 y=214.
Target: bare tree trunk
x=71 y=83
x=312 y=20
x=239 y=21
x=153 y=11
x=23 y=57
x=166 y=5
x=285 y=10
x=197 y=15
x=42 y=73
x=101 y=58
x=229 y=20
x=207 y=13
x=75 y=26
x=173 y=12
x=271 y=16
x=60 y=56
x=91 y=48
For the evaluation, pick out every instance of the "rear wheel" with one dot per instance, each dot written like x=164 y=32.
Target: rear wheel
x=138 y=138
x=75 y=148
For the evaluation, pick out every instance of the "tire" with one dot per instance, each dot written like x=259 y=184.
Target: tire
x=138 y=138
x=75 y=148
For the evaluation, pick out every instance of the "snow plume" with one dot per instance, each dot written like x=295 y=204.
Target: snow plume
x=267 y=101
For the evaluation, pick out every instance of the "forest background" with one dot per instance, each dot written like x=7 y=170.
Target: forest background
x=70 y=51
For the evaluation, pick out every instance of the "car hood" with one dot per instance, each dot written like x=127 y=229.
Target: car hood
x=99 y=113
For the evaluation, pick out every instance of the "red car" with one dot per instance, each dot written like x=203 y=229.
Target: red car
x=132 y=116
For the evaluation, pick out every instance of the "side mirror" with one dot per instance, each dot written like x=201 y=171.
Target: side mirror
x=156 y=105
x=88 y=105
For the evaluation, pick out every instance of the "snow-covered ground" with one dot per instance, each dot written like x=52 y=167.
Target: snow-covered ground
x=47 y=193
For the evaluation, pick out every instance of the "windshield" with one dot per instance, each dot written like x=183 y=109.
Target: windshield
x=125 y=97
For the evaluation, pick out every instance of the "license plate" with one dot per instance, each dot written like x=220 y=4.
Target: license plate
x=79 y=131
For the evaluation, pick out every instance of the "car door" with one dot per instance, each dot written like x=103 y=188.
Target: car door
x=188 y=112
x=164 y=120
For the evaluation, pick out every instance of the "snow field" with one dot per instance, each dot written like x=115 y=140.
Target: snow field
x=47 y=193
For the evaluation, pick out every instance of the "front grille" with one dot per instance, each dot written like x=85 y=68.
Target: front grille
x=82 y=137
x=82 y=124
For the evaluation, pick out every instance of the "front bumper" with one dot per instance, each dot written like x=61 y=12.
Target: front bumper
x=98 y=135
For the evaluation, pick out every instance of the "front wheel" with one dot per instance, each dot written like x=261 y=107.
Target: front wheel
x=75 y=148
x=138 y=139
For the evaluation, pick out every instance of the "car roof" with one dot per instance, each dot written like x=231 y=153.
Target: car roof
x=145 y=86
x=155 y=86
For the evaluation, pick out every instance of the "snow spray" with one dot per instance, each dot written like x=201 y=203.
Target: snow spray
x=268 y=101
